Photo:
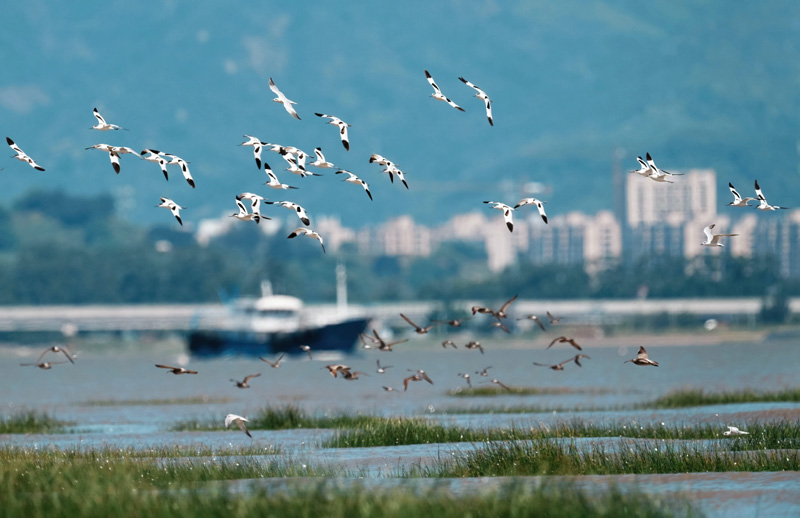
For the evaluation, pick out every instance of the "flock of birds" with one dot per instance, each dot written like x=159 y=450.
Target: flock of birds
x=249 y=207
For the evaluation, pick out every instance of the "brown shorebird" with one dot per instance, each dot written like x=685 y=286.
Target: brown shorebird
x=41 y=365
x=483 y=372
x=276 y=363
x=564 y=340
x=560 y=366
x=553 y=320
x=480 y=309
x=367 y=341
x=57 y=349
x=417 y=329
x=535 y=319
x=466 y=377
x=642 y=359
x=474 y=345
x=499 y=314
x=498 y=382
x=335 y=368
x=386 y=346
x=419 y=376
x=307 y=350
x=382 y=368
x=176 y=370
x=452 y=323
x=389 y=389
x=244 y=383
x=450 y=343
x=239 y=420
x=352 y=375
x=500 y=325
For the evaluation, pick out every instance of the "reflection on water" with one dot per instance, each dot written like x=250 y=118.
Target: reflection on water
x=67 y=392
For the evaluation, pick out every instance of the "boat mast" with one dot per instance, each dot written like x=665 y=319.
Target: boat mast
x=341 y=288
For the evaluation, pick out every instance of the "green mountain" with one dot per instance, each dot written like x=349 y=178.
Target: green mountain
x=698 y=84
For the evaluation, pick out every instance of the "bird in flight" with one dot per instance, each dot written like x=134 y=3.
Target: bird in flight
x=273 y=182
x=713 y=239
x=102 y=125
x=22 y=157
x=57 y=349
x=738 y=201
x=320 y=161
x=41 y=365
x=533 y=201
x=763 y=205
x=507 y=209
x=419 y=330
x=240 y=422
x=302 y=231
x=564 y=340
x=244 y=383
x=176 y=370
x=342 y=125
x=384 y=345
x=535 y=319
x=437 y=93
x=560 y=366
x=276 y=363
x=283 y=100
x=483 y=97
x=300 y=211
x=166 y=203
x=154 y=155
x=356 y=180
x=642 y=358
x=498 y=382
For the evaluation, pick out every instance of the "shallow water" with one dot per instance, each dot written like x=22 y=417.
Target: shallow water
x=68 y=391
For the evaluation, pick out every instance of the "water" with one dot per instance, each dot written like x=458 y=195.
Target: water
x=70 y=392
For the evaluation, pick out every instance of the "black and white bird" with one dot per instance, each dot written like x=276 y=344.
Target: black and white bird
x=255 y=203
x=102 y=125
x=166 y=203
x=763 y=205
x=154 y=155
x=382 y=368
x=535 y=319
x=243 y=215
x=114 y=153
x=507 y=210
x=300 y=211
x=302 y=231
x=738 y=201
x=283 y=100
x=656 y=174
x=273 y=182
x=533 y=201
x=642 y=358
x=320 y=161
x=22 y=156
x=184 y=165
x=483 y=97
x=239 y=421
x=342 y=125
x=713 y=239
x=356 y=180
x=392 y=170
x=437 y=93
x=257 y=146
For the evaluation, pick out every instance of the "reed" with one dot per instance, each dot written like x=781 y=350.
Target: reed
x=31 y=422
x=699 y=397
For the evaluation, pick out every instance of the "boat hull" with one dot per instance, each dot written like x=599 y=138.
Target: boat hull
x=340 y=337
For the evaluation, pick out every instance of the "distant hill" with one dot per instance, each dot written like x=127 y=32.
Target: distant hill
x=711 y=84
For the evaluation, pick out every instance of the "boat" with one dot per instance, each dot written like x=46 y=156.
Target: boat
x=273 y=324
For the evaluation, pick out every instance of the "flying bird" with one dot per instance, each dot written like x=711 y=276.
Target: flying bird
x=336 y=368
x=560 y=366
x=102 y=125
x=41 y=365
x=642 y=359
x=356 y=180
x=342 y=125
x=22 y=157
x=450 y=343
x=184 y=165
x=384 y=345
x=763 y=205
x=57 y=349
x=283 y=100
x=484 y=371
x=307 y=349
x=382 y=368
x=176 y=370
x=276 y=363
x=419 y=330
x=166 y=203
x=154 y=155
x=498 y=382
x=300 y=211
x=320 y=161
x=507 y=209
x=114 y=153
x=533 y=201
x=564 y=340
x=302 y=231
x=553 y=319
x=535 y=319
x=419 y=375
x=243 y=215
x=483 y=97
x=273 y=182
x=738 y=201
x=437 y=93
x=257 y=145
x=466 y=378
x=659 y=175
x=240 y=422
x=474 y=345
x=244 y=383
x=713 y=239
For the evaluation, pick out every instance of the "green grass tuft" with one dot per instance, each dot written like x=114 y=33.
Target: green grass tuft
x=698 y=397
x=32 y=422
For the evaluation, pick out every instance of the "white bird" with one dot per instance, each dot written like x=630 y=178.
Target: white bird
x=240 y=422
x=533 y=201
x=300 y=211
x=644 y=169
x=102 y=125
x=243 y=215
x=320 y=161
x=273 y=180
x=763 y=205
x=642 y=358
x=22 y=157
x=713 y=239
x=283 y=99
x=382 y=368
x=506 y=213
x=255 y=202
x=732 y=430
x=356 y=180
x=172 y=206
x=738 y=201
x=257 y=147
x=483 y=97
x=309 y=233
x=296 y=166
x=392 y=170
x=659 y=175
x=154 y=155
x=437 y=93
x=114 y=152
x=336 y=121
x=174 y=159
x=380 y=160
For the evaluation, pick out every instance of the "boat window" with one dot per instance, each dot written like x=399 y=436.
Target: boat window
x=279 y=313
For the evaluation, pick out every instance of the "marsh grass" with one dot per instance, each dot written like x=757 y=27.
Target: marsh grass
x=282 y=418
x=546 y=457
x=87 y=483
x=518 y=391
x=699 y=397
x=32 y=422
